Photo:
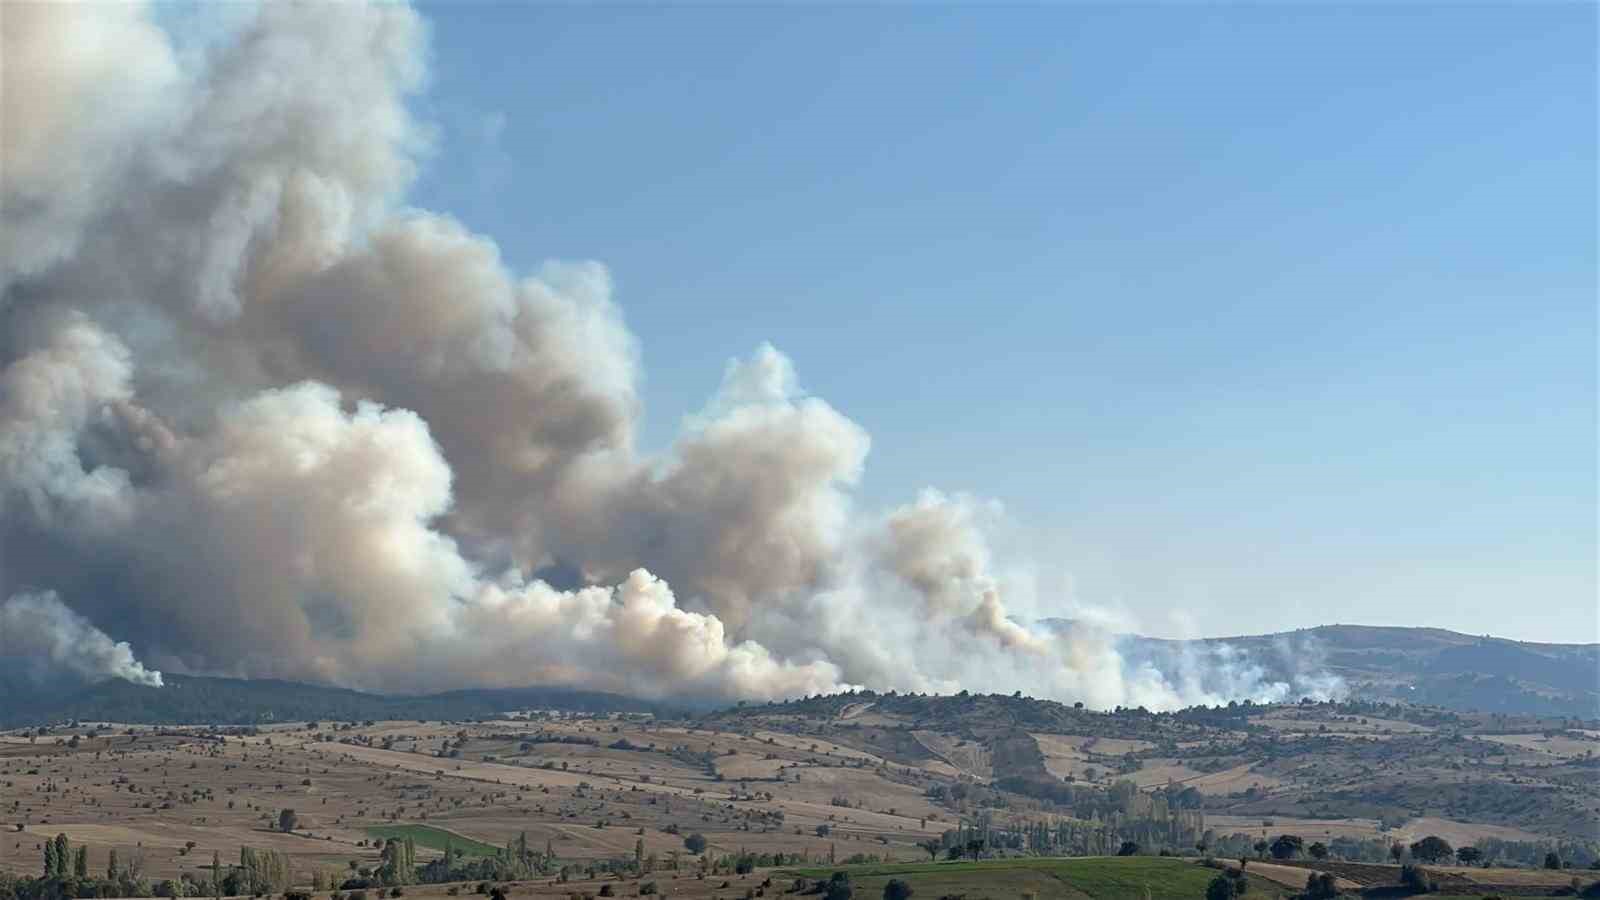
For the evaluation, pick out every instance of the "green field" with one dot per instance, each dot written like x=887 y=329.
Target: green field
x=434 y=838
x=1083 y=878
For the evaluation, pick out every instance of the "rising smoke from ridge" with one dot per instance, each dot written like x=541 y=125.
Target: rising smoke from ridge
x=259 y=418
x=38 y=626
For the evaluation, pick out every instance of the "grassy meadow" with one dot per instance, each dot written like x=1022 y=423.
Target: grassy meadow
x=434 y=838
x=1094 y=878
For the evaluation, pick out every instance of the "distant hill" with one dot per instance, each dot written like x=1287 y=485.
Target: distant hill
x=230 y=701
x=1431 y=666
x=1458 y=671
x=1427 y=666
x=1393 y=764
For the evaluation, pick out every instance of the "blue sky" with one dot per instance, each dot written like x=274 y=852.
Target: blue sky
x=1271 y=315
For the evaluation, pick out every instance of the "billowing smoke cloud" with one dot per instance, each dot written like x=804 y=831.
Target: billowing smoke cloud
x=39 y=627
x=259 y=418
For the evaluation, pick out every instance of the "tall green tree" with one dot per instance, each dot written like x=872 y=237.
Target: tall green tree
x=63 y=856
x=112 y=872
x=1286 y=846
x=50 y=866
x=389 y=871
x=1432 y=849
x=249 y=870
x=80 y=863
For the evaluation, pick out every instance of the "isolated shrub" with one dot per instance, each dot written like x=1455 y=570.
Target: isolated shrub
x=1128 y=848
x=1220 y=888
x=607 y=890
x=896 y=890
x=397 y=891
x=649 y=887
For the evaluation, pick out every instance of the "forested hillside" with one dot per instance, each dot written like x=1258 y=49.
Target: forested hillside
x=231 y=701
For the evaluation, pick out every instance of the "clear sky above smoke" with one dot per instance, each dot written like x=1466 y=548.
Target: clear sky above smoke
x=1275 y=315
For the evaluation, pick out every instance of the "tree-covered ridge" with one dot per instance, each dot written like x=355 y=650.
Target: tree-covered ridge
x=231 y=701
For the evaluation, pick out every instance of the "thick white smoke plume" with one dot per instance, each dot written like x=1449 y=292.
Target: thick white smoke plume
x=39 y=626
x=257 y=417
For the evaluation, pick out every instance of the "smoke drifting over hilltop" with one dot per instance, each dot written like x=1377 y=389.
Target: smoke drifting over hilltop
x=257 y=417
x=38 y=626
